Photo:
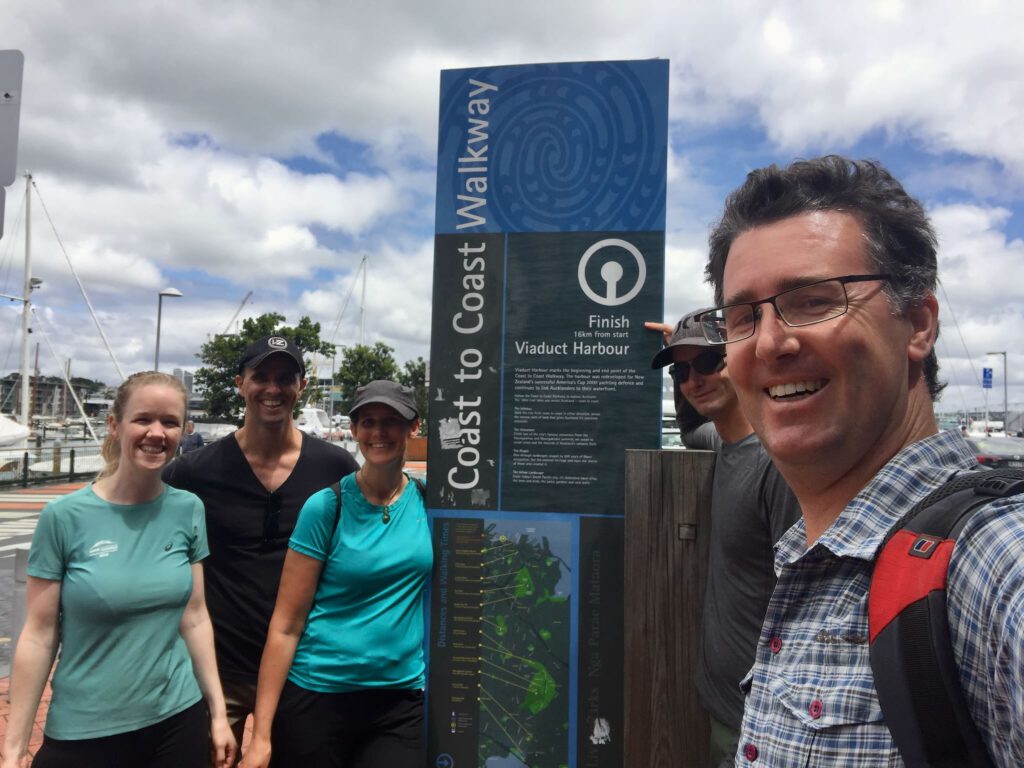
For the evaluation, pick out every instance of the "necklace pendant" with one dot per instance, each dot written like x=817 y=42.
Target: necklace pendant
x=385 y=516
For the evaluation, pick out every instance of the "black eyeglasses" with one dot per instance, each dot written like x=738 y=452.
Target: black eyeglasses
x=705 y=364
x=271 y=518
x=808 y=304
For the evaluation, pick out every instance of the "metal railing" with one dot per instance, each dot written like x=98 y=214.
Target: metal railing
x=48 y=463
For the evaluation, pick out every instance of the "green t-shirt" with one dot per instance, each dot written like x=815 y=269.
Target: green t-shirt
x=365 y=629
x=126 y=576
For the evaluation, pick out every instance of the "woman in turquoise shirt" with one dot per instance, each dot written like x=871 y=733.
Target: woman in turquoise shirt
x=342 y=675
x=114 y=579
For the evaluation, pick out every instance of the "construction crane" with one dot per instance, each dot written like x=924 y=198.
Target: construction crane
x=238 y=311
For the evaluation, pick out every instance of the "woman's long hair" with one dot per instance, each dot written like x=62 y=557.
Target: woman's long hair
x=111 y=450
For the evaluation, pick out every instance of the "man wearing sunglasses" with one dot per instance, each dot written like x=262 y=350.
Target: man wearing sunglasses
x=824 y=275
x=751 y=508
x=253 y=484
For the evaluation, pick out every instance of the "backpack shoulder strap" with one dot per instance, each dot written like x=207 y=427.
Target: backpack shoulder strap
x=912 y=659
x=336 y=487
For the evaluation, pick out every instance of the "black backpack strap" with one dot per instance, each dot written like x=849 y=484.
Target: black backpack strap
x=912 y=659
x=336 y=487
x=420 y=486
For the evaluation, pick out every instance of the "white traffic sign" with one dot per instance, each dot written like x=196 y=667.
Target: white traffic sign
x=12 y=66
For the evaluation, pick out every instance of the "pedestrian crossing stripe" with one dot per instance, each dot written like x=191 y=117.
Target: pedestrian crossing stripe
x=30 y=499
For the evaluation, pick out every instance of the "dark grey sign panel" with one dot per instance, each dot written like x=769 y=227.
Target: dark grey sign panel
x=578 y=379
x=465 y=364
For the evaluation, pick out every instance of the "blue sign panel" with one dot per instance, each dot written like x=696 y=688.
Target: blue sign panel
x=553 y=148
x=986 y=378
x=548 y=257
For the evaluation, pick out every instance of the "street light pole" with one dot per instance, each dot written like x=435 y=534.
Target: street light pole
x=1006 y=413
x=172 y=292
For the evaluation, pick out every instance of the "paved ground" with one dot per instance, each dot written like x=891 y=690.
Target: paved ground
x=36 y=739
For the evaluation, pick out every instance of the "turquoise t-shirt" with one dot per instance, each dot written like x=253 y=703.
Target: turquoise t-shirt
x=365 y=629
x=126 y=576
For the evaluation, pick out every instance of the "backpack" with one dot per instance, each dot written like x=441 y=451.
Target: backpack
x=336 y=487
x=912 y=659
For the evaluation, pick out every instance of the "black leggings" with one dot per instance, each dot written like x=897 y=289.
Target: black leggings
x=180 y=741
x=362 y=729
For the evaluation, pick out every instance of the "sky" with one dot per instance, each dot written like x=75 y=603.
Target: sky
x=226 y=147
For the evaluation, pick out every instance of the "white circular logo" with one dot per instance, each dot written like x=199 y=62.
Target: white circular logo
x=277 y=342
x=611 y=273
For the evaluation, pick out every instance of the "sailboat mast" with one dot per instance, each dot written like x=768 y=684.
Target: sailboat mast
x=362 y=307
x=27 y=305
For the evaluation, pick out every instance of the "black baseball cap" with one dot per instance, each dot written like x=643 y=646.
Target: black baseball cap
x=263 y=348
x=388 y=393
x=687 y=333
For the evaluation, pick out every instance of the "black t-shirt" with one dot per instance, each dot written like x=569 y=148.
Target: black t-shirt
x=244 y=567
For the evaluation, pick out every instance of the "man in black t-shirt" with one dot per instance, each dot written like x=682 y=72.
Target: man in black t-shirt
x=253 y=484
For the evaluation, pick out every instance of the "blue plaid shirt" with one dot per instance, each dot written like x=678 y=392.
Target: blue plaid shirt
x=811 y=697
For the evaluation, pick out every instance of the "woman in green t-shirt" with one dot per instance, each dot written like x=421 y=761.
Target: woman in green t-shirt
x=114 y=579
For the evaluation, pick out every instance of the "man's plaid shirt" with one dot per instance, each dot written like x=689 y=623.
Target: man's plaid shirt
x=811 y=699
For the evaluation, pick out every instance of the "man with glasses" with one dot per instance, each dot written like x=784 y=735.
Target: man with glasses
x=253 y=483
x=824 y=275
x=751 y=508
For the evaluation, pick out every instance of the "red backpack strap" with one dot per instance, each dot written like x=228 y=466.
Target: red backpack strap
x=912 y=659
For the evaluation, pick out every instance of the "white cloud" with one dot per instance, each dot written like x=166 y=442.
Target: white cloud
x=157 y=136
x=981 y=271
x=981 y=301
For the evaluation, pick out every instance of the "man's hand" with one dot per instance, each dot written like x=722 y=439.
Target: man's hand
x=665 y=328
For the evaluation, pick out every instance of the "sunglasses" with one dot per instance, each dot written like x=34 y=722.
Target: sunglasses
x=705 y=364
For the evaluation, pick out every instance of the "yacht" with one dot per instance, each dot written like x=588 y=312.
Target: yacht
x=12 y=434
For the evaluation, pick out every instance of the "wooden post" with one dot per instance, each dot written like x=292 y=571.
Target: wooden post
x=668 y=520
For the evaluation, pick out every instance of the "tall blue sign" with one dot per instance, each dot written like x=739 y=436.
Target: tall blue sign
x=549 y=255
x=986 y=378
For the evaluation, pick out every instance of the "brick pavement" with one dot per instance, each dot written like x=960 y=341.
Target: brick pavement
x=5 y=710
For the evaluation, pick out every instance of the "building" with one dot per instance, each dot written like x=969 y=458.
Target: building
x=49 y=395
x=185 y=377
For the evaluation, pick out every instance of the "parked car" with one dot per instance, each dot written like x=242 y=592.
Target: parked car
x=211 y=430
x=670 y=438
x=998 y=451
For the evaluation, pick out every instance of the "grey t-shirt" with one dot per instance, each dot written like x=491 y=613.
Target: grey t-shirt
x=751 y=508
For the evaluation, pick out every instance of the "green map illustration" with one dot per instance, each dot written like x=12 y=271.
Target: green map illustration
x=524 y=645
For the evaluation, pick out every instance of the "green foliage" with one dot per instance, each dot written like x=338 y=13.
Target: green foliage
x=362 y=364
x=220 y=358
x=414 y=375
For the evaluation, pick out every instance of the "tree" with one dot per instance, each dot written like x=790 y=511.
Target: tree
x=415 y=376
x=361 y=365
x=220 y=358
